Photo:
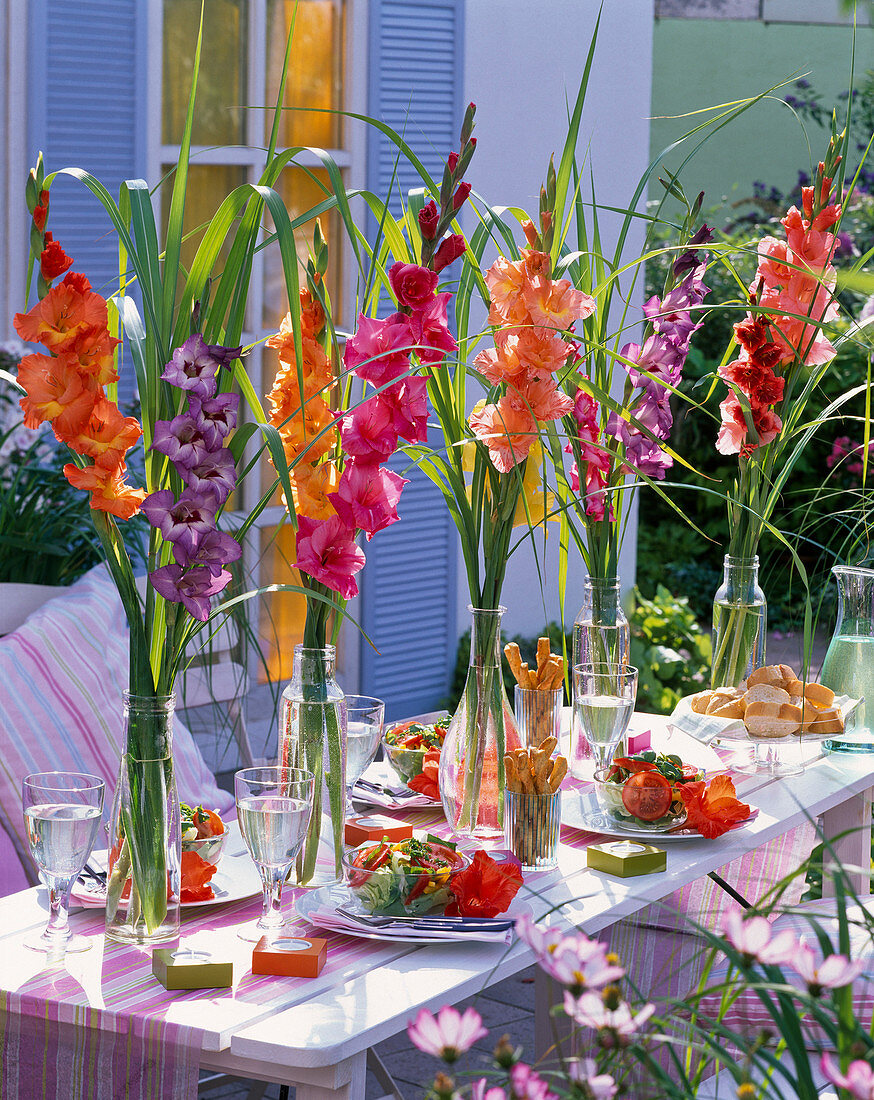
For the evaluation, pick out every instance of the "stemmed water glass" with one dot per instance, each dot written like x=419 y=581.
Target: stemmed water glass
x=604 y=697
x=62 y=812
x=274 y=806
x=364 y=721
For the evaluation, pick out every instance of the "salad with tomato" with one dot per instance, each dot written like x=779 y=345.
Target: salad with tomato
x=406 y=745
x=642 y=791
x=203 y=832
x=404 y=877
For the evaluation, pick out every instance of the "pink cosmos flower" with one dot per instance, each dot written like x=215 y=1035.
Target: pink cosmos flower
x=482 y=1091
x=600 y=1086
x=414 y=286
x=858 y=1080
x=378 y=351
x=430 y=330
x=369 y=432
x=589 y=1010
x=753 y=939
x=447 y=1035
x=833 y=972
x=573 y=960
x=506 y=431
x=326 y=550
x=367 y=497
x=528 y=1085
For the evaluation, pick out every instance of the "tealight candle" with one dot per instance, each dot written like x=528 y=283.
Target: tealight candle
x=191 y=968
x=626 y=858
x=360 y=829
x=290 y=956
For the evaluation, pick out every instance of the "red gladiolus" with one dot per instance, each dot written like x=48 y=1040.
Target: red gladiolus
x=450 y=249
x=452 y=161
x=483 y=889
x=427 y=782
x=53 y=260
x=713 y=808
x=461 y=194
x=41 y=211
x=429 y=216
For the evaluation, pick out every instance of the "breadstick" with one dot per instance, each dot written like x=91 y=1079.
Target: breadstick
x=512 y=777
x=547 y=745
x=524 y=675
x=543 y=656
x=559 y=771
x=514 y=660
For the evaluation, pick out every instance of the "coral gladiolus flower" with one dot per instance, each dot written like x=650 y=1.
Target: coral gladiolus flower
x=542 y=398
x=109 y=492
x=107 y=436
x=93 y=348
x=506 y=431
x=69 y=308
x=484 y=888
x=56 y=391
x=311 y=486
x=326 y=550
x=427 y=782
x=53 y=260
x=713 y=808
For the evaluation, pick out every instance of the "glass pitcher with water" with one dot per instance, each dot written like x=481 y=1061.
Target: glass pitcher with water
x=848 y=668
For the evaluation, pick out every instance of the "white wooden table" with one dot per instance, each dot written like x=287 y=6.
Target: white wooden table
x=317 y=1039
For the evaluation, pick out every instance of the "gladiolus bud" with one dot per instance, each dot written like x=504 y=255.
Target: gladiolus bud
x=452 y=161
x=450 y=249
x=429 y=215
x=531 y=234
x=460 y=195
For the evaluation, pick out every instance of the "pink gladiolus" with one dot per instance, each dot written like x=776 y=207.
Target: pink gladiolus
x=407 y=403
x=326 y=550
x=858 y=1080
x=369 y=432
x=430 y=331
x=379 y=350
x=367 y=497
x=414 y=286
x=833 y=972
x=507 y=432
x=449 y=1034
x=752 y=938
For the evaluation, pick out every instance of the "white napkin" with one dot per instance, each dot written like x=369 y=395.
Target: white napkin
x=328 y=917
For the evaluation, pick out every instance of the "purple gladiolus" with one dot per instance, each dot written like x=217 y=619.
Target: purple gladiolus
x=194 y=366
x=216 y=417
x=215 y=549
x=190 y=587
x=182 y=441
x=214 y=478
x=183 y=521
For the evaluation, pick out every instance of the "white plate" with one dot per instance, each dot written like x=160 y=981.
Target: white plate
x=382 y=774
x=671 y=740
x=236 y=878
x=318 y=906
x=581 y=813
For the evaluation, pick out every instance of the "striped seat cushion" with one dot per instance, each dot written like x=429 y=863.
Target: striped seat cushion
x=62 y=674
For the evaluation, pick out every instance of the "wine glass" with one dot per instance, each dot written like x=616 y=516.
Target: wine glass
x=364 y=721
x=604 y=696
x=62 y=812
x=274 y=807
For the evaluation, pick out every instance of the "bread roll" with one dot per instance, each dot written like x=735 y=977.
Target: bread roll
x=789 y=674
x=734 y=708
x=718 y=699
x=819 y=695
x=700 y=701
x=766 y=693
x=769 y=719
x=768 y=674
x=829 y=720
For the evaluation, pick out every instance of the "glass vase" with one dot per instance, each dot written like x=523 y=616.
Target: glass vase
x=145 y=833
x=602 y=635
x=482 y=729
x=312 y=736
x=848 y=668
x=740 y=623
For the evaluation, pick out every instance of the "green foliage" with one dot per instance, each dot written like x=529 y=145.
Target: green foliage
x=668 y=648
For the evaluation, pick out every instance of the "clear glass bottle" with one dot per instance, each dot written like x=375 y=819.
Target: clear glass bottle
x=482 y=729
x=601 y=631
x=740 y=623
x=145 y=830
x=312 y=736
x=848 y=668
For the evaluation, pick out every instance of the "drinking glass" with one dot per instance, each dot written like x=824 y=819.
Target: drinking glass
x=604 y=696
x=364 y=721
x=62 y=812
x=274 y=806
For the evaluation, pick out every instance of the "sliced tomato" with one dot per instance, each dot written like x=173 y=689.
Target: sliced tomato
x=647 y=795
x=690 y=773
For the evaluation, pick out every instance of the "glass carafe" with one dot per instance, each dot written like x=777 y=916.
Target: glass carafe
x=848 y=668
x=601 y=631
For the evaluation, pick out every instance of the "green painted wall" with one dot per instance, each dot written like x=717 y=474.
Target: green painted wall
x=700 y=63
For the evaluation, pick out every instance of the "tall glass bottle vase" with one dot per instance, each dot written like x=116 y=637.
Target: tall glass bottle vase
x=601 y=631
x=312 y=736
x=482 y=729
x=740 y=623
x=848 y=668
x=145 y=834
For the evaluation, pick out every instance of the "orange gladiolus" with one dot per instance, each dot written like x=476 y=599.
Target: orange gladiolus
x=109 y=491
x=69 y=308
x=94 y=349
x=107 y=436
x=311 y=485
x=56 y=391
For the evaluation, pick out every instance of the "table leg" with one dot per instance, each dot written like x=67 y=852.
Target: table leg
x=353 y=1089
x=551 y=1033
x=847 y=828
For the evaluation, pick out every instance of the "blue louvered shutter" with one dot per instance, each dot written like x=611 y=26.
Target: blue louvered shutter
x=89 y=60
x=409 y=584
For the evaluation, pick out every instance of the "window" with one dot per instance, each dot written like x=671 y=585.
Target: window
x=241 y=64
